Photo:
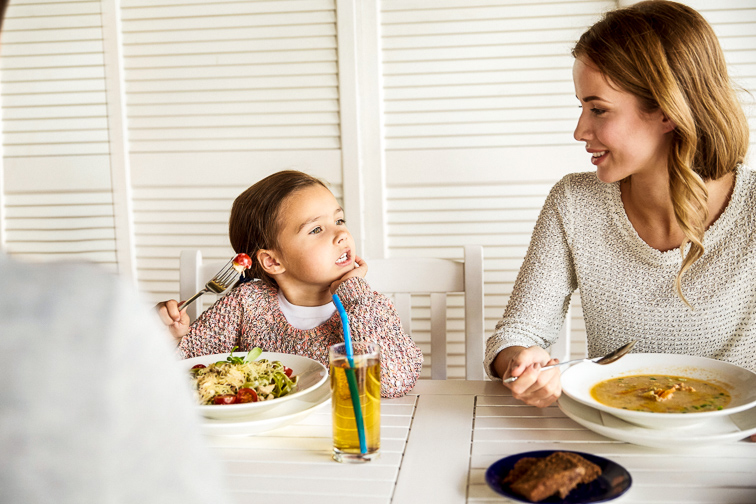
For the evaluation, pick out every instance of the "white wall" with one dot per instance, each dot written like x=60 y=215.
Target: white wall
x=129 y=127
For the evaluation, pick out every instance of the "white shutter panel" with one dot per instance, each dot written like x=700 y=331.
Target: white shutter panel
x=220 y=95
x=57 y=196
x=480 y=110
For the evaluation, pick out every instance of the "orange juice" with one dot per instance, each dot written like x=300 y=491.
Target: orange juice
x=346 y=443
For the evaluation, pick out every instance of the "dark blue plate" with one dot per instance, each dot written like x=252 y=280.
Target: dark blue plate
x=613 y=482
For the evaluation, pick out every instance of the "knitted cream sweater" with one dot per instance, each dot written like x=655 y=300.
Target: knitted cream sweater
x=583 y=239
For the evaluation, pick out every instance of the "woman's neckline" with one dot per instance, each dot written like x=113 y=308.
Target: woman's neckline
x=710 y=233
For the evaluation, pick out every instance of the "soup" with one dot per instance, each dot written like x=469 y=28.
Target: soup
x=661 y=394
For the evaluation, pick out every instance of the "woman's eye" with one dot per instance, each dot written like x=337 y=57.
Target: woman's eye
x=597 y=111
x=316 y=230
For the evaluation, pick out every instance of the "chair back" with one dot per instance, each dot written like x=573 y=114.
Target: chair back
x=405 y=277
x=402 y=278
x=193 y=274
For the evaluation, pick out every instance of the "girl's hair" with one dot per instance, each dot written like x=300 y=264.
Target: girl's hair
x=255 y=220
x=668 y=56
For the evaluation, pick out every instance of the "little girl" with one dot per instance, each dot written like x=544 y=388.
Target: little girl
x=293 y=228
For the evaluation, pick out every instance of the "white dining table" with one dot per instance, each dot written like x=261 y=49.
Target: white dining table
x=438 y=441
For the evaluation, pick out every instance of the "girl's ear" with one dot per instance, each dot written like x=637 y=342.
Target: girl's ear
x=268 y=259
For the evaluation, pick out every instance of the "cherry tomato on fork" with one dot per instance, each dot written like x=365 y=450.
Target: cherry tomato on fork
x=243 y=260
x=225 y=399
x=245 y=395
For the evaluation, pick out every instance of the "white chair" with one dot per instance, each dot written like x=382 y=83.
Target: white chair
x=193 y=274
x=404 y=277
x=401 y=277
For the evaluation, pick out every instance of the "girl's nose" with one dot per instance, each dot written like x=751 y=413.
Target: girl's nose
x=341 y=235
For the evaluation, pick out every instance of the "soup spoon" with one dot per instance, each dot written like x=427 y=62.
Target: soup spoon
x=606 y=359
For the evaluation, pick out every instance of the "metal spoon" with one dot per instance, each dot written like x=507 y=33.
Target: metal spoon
x=606 y=359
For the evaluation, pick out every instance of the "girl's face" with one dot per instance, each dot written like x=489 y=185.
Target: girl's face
x=623 y=139
x=315 y=246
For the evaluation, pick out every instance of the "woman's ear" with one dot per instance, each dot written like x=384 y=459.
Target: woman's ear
x=268 y=259
x=667 y=124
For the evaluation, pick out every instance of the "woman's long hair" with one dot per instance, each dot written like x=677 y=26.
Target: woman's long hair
x=668 y=56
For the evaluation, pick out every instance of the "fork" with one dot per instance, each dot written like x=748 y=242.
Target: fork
x=223 y=280
x=606 y=359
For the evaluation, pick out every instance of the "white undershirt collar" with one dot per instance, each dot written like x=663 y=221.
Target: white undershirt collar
x=305 y=317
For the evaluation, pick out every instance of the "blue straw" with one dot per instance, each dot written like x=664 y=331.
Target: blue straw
x=351 y=378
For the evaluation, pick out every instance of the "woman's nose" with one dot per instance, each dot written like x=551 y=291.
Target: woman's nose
x=581 y=130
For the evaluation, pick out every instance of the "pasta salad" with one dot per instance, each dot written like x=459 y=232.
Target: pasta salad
x=242 y=380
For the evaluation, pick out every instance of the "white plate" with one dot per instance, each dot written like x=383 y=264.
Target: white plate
x=284 y=414
x=578 y=380
x=715 y=431
x=311 y=375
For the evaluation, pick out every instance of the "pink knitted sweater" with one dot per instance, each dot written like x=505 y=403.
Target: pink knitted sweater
x=250 y=316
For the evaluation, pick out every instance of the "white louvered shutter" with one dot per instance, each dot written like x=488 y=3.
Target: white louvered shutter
x=480 y=110
x=218 y=96
x=58 y=201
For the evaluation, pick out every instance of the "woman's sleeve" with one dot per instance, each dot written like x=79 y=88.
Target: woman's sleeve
x=541 y=295
x=216 y=330
x=372 y=317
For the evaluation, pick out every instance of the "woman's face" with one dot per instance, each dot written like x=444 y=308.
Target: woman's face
x=622 y=139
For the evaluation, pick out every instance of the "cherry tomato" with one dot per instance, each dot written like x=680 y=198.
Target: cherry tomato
x=225 y=399
x=245 y=395
x=288 y=371
x=243 y=260
x=198 y=366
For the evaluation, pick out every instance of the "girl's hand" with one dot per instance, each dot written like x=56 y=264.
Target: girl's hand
x=533 y=386
x=360 y=270
x=177 y=320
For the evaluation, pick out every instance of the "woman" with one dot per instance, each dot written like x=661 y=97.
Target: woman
x=657 y=239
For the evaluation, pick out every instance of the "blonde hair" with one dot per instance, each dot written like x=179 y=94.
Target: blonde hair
x=668 y=56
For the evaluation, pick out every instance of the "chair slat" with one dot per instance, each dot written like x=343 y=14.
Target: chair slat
x=403 y=305
x=438 y=336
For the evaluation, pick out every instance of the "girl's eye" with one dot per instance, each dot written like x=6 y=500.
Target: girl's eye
x=316 y=230
x=340 y=222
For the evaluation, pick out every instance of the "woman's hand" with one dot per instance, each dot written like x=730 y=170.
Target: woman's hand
x=176 y=319
x=533 y=386
x=360 y=270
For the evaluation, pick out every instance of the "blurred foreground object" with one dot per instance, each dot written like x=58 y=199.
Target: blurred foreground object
x=95 y=408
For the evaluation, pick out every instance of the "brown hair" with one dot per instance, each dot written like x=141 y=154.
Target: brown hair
x=668 y=56
x=255 y=216
x=3 y=8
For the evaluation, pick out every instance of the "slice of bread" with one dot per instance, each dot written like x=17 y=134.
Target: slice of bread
x=559 y=473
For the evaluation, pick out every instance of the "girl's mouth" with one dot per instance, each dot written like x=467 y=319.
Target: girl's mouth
x=343 y=259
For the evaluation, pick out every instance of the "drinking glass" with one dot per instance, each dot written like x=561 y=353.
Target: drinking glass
x=367 y=371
